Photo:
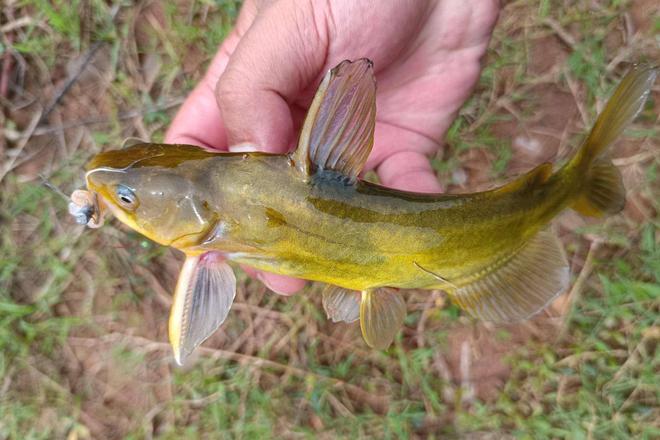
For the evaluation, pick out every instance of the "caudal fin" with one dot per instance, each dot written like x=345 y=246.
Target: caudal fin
x=603 y=192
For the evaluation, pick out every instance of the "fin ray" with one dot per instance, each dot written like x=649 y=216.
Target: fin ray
x=338 y=131
x=382 y=312
x=341 y=304
x=204 y=294
x=604 y=192
x=520 y=286
x=625 y=104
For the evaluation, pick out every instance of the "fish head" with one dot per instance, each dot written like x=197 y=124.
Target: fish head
x=145 y=191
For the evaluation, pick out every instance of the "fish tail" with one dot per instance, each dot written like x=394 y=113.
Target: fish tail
x=602 y=191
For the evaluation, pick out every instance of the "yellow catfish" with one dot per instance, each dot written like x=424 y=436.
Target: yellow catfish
x=308 y=215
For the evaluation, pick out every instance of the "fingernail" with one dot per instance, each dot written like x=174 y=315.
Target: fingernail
x=242 y=148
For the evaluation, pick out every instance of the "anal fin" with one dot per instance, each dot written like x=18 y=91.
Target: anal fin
x=341 y=304
x=519 y=286
x=382 y=312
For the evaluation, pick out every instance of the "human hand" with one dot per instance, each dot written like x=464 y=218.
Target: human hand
x=426 y=56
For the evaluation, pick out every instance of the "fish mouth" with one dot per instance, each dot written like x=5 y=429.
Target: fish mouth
x=87 y=208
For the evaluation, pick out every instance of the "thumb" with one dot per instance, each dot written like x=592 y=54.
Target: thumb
x=277 y=58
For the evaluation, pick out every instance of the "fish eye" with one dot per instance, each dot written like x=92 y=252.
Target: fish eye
x=126 y=197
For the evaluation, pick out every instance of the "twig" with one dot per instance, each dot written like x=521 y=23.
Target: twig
x=379 y=404
x=70 y=81
x=52 y=187
x=17 y=152
x=6 y=382
x=574 y=360
x=562 y=33
x=573 y=87
x=7 y=61
x=635 y=158
x=467 y=387
x=637 y=356
x=92 y=121
x=23 y=21
x=502 y=101
x=91 y=52
x=441 y=366
x=576 y=291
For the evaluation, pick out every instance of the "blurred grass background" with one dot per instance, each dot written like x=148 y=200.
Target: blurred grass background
x=83 y=344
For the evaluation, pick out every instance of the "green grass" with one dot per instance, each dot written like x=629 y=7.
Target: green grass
x=601 y=381
x=83 y=348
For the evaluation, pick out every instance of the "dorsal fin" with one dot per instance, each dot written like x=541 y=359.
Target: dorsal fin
x=338 y=132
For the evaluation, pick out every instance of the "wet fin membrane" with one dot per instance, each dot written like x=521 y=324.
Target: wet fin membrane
x=204 y=294
x=604 y=192
x=382 y=312
x=519 y=286
x=338 y=132
x=341 y=304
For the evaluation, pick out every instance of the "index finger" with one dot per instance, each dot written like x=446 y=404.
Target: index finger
x=198 y=121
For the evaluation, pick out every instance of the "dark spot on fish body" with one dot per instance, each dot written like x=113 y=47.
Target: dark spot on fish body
x=344 y=211
x=274 y=218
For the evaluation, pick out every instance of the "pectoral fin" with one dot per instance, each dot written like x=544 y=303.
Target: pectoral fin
x=382 y=312
x=204 y=294
x=338 y=132
x=518 y=286
x=341 y=304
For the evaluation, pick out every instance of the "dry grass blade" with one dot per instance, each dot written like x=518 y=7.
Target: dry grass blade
x=378 y=404
x=11 y=159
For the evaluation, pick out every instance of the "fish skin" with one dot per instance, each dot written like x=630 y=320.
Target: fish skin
x=355 y=236
x=319 y=223
x=358 y=237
